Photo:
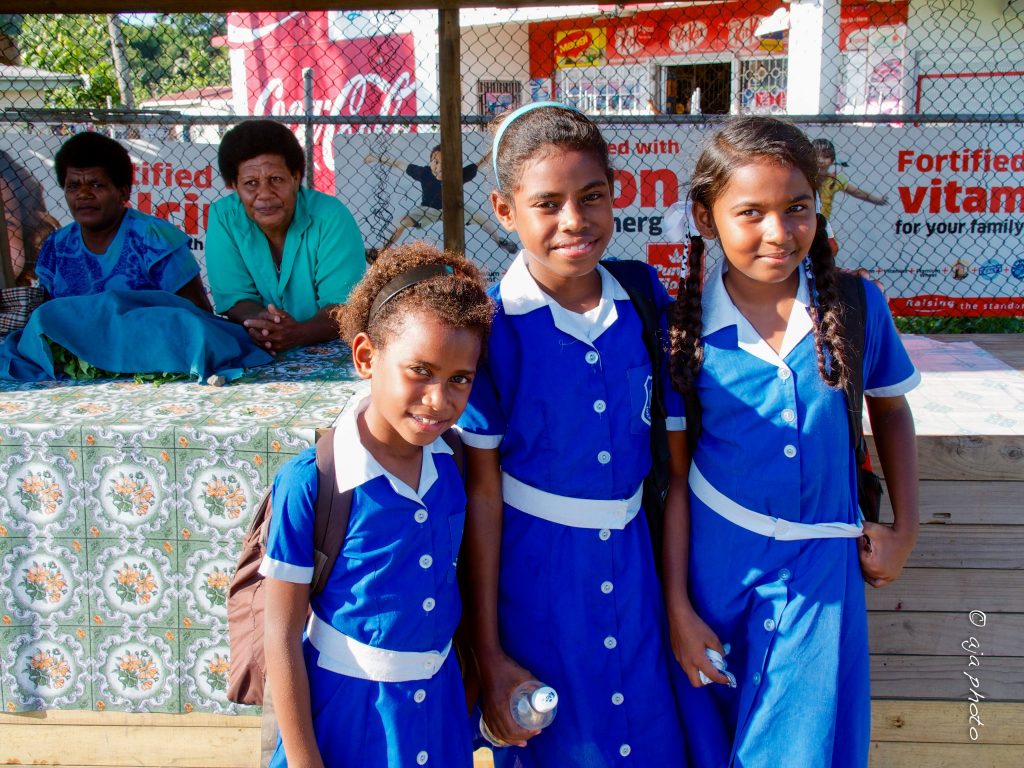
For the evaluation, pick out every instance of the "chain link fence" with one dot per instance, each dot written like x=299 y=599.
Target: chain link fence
x=917 y=105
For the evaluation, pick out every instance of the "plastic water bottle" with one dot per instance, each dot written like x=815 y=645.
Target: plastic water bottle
x=533 y=706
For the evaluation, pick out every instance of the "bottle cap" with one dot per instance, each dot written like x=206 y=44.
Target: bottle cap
x=544 y=699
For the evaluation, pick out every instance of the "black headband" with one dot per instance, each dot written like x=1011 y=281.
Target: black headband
x=405 y=280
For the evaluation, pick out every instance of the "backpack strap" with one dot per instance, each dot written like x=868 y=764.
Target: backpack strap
x=635 y=279
x=332 y=513
x=854 y=300
x=451 y=437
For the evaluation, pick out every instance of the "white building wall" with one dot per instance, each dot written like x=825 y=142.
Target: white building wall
x=952 y=37
x=494 y=53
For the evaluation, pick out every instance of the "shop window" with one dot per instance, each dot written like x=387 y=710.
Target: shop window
x=763 y=86
x=494 y=96
x=625 y=94
x=873 y=72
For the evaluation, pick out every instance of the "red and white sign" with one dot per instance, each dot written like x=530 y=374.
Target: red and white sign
x=702 y=28
x=351 y=76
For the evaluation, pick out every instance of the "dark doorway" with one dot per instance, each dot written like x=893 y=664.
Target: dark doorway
x=714 y=81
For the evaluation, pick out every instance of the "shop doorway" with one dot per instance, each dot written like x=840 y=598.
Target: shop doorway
x=713 y=80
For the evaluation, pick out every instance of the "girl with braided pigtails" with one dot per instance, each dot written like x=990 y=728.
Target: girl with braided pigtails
x=764 y=567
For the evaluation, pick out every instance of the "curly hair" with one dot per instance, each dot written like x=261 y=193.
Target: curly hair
x=252 y=138
x=541 y=132
x=458 y=300
x=94 y=150
x=740 y=142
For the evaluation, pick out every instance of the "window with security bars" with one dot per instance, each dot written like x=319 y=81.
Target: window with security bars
x=494 y=96
x=626 y=92
x=763 y=86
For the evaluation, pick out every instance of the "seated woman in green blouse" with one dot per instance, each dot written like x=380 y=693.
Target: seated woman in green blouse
x=278 y=256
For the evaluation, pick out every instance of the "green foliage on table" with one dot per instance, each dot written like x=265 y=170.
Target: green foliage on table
x=78 y=369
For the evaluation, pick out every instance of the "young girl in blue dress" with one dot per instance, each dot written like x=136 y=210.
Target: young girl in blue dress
x=557 y=430
x=372 y=681
x=768 y=563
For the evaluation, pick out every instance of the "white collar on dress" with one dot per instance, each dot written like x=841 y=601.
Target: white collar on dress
x=354 y=465
x=718 y=312
x=521 y=294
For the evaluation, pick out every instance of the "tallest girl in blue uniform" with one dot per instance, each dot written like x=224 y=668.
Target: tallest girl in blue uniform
x=558 y=436
x=777 y=552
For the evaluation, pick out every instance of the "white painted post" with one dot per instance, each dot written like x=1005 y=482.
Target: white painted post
x=814 y=60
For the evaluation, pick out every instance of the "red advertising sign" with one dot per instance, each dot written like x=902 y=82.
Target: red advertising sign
x=359 y=76
x=696 y=29
x=668 y=259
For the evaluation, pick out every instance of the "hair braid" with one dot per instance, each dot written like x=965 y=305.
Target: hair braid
x=826 y=310
x=687 y=351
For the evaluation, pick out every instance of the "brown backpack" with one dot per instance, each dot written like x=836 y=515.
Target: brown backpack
x=248 y=669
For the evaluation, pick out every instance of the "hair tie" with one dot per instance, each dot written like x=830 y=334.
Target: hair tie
x=513 y=116
x=405 y=280
x=679 y=223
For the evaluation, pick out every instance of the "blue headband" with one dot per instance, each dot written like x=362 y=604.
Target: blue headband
x=512 y=118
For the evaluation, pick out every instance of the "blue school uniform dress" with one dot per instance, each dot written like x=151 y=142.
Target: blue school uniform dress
x=565 y=398
x=385 y=687
x=774 y=567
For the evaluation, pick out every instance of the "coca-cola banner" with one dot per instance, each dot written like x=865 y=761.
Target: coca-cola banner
x=355 y=71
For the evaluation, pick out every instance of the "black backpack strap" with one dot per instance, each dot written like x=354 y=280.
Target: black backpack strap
x=332 y=512
x=451 y=437
x=635 y=279
x=854 y=300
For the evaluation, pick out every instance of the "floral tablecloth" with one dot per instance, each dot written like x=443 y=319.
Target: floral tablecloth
x=122 y=507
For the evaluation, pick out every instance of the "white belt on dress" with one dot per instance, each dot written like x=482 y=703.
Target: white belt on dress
x=347 y=656
x=783 y=530
x=566 y=510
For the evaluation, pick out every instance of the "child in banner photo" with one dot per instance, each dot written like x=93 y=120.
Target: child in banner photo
x=830 y=183
x=564 y=586
x=429 y=210
x=766 y=566
x=355 y=690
